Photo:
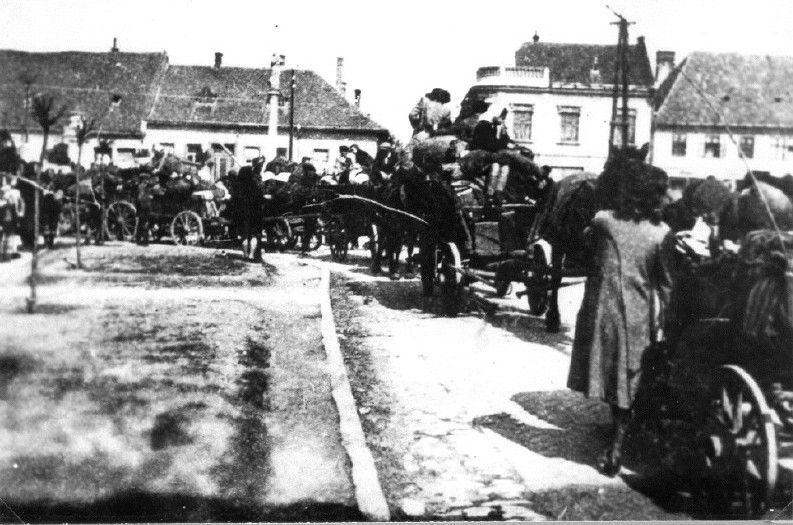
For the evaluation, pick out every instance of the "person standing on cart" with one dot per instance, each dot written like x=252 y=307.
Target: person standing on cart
x=627 y=290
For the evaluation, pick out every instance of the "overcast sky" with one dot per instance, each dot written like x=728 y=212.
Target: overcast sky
x=394 y=51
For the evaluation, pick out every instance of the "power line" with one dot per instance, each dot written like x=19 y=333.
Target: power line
x=726 y=126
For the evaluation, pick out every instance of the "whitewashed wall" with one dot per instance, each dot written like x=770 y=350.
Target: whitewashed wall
x=305 y=143
x=728 y=166
x=593 y=135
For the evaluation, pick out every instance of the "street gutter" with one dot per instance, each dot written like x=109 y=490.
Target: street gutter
x=368 y=491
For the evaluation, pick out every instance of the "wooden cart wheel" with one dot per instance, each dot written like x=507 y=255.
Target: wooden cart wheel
x=187 y=228
x=449 y=279
x=337 y=239
x=503 y=278
x=66 y=220
x=741 y=457
x=120 y=221
x=539 y=278
x=281 y=234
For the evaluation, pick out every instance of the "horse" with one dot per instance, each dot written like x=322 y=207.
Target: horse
x=572 y=205
x=746 y=211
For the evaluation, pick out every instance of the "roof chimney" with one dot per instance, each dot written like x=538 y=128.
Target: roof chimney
x=536 y=37
x=357 y=98
x=218 y=59
x=341 y=86
x=664 y=64
x=114 y=49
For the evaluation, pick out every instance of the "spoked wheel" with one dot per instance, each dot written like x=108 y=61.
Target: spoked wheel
x=503 y=279
x=187 y=228
x=280 y=235
x=66 y=220
x=337 y=239
x=740 y=445
x=538 y=293
x=120 y=221
x=449 y=279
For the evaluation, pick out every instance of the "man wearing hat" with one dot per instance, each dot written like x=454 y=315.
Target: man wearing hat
x=431 y=112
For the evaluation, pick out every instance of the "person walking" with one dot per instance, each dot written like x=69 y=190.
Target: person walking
x=143 y=207
x=623 y=299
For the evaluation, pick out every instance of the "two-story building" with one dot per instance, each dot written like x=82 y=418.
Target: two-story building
x=560 y=99
x=751 y=94
x=139 y=101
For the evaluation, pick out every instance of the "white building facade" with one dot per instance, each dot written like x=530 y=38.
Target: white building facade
x=560 y=101
x=750 y=93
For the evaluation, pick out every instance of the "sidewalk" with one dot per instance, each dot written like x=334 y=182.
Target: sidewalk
x=470 y=418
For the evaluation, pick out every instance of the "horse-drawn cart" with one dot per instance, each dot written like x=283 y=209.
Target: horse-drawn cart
x=346 y=217
x=735 y=318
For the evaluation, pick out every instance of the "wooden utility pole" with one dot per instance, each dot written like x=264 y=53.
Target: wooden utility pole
x=291 y=116
x=621 y=84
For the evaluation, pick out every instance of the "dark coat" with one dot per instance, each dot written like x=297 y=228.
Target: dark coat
x=614 y=324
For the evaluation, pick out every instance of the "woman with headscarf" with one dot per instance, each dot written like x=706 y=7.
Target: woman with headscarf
x=624 y=295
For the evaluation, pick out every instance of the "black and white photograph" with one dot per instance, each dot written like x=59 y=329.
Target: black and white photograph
x=350 y=261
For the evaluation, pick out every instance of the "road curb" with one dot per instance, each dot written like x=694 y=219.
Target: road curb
x=368 y=492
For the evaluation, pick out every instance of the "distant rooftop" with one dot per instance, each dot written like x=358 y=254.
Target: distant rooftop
x=750 y=90
x=573 y=63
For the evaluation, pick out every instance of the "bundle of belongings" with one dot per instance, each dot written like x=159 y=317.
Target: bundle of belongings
x=737 y=301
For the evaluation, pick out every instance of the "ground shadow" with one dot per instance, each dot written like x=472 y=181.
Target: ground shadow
x=661 y=456
x=531 y=329
x=51 y=309
x=139 y=506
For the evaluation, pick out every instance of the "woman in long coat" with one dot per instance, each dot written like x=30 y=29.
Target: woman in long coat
x=623 y=298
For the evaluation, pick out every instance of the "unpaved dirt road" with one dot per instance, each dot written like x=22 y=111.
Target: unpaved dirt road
x=167 y=384
x=470 y=417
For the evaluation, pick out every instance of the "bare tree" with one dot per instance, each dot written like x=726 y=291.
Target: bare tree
x=82 y=133
x=46 y=115
x=27 y=79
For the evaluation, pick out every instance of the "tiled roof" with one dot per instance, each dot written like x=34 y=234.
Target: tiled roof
x=572 y=63
x=156 y=92
x=83 y=82
x=233 y=95
x=750 y=90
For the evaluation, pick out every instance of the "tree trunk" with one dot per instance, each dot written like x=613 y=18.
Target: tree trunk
x=34 y=260
x=78 y=233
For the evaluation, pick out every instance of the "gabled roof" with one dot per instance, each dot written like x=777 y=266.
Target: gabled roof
x=238 y=96
x=750 y=91
x=572 y=63
x=82 y=82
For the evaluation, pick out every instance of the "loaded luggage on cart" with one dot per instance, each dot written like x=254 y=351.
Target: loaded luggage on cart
x=731 y=348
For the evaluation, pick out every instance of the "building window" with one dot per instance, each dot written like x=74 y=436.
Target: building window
x=616 y=125
x=251 y=152
x=521 y=121
x=780 y=147
x=712 y=147
x=194 y=152
x=321 y=156
x=125 y=154
x=569 y=118
x=747 y=146
x=679 y=144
